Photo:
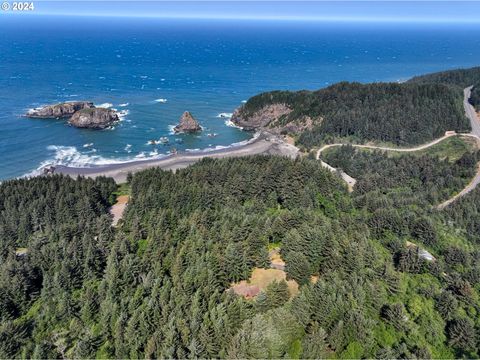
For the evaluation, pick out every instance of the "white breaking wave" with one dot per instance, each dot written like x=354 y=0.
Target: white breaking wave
x=232 y=124
x=222 y=147
x=171 y=130
x=128 y=148
x=244 y=101
x=123 y=113
x=224 y=115
x=163 y=101
x=124 y=104
x=104 y=105
x=87 y=145
x=70 y=156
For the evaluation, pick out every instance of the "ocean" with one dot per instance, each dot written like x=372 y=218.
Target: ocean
x=153 y=70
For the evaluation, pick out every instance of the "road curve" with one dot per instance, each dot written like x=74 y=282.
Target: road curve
x=475 y=133
x=352 y=181
x=475 y=123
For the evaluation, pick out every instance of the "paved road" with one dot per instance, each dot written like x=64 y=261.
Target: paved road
x=470 y=112
x=475 y=133
x=475 y=123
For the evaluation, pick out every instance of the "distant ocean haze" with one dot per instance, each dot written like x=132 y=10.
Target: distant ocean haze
x=153 y=70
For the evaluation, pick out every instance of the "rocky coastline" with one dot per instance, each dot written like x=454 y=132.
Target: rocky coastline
x=61 y=110
x=270 y=118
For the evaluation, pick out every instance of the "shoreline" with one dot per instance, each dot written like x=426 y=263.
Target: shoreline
x=262 y=143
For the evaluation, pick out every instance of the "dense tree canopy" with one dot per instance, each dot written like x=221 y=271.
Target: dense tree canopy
x=458 y=77
x=403 y=114
x=426 y=178
x=475 y=97
x=157 y=285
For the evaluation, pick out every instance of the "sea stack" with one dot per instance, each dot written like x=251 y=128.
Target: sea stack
x=62 y=110
x=187 y=124
x=93 y=118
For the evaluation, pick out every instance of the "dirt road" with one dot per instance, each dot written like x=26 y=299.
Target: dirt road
x=475 y=133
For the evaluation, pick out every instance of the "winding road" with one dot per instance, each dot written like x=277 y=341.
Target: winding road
x=475 y=123
x=475 y=133
x=412 y=149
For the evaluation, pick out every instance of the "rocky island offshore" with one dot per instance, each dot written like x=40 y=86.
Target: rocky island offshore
x=187 y=124
x=94 y=118
x=82 y=114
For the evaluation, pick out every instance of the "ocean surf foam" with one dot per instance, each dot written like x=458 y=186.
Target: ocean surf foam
x=123 y=113
x=70 y=156
x=230 y=123
x=224 y=115
x=104 y=105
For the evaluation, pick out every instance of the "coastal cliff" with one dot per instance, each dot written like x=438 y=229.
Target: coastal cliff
x=93 y=118
x=271 y=117
x=62 y=110
x=403 y=114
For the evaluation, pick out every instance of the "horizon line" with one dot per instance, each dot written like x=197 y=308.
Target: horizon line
x=343 y=19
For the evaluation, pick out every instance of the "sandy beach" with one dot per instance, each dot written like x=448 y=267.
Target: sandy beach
x=261 y=143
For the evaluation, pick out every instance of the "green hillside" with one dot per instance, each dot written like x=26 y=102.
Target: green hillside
x=403 y=114
x=157 y=285
x=460 y=77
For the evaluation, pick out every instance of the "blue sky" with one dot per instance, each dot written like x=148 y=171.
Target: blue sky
x=349 y=11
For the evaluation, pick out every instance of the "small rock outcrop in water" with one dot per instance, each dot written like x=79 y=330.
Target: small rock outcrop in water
x=93 y=118
x=187 y=124
x=59 y=110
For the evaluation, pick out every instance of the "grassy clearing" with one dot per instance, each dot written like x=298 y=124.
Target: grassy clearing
x=123 y=189
x=260 y=280
x=452 y=148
